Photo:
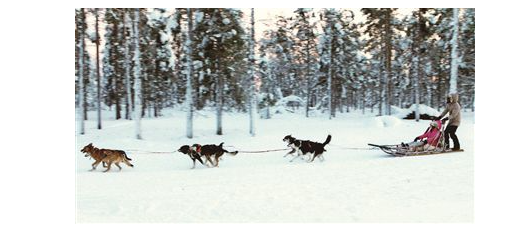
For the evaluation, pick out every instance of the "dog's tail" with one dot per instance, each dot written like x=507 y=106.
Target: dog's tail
x=328 y=139
x=230 y=153
x=125 y=155
x=225 y=151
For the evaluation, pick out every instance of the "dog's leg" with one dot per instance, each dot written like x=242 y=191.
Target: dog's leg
x=200 y=160
x=94 y=166
x=291 y=152
x=117 y=164
x=108 y=167
x=321 y=157
x=194 y=163
x=314 y=155
x=294 y=158
x=217 y=160
x=298 y=154
x=210 y=160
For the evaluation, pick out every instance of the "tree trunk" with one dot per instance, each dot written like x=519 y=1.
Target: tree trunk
x=439 y=87
x=382 y=86
x=330 y=62
x=189 y=69
x=418 y=61
x=138 y=79
x=252 y=88
x=362 y=100
x=417 y=90
x=388 y=75
x=127 y=60
x=453 y=75
x=219 y=99
x=98 y=82
x=473 y=103
x=308 y=81
x=81 y=90
x=86 y=81
x=115 y=88
x=308 y=77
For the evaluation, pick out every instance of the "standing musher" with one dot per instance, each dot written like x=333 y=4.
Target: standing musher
x=454 y=116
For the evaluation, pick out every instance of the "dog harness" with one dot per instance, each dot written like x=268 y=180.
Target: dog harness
x=198 y=148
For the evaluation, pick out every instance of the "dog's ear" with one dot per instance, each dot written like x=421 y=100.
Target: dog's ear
x=90 y=144
x=184 y=148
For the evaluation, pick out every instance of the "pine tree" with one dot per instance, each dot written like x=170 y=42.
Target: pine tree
x=420 y=35
x=455 y=41
x=113 y=59
x=162 y=70
x=222 y=53
x=330 y=21
x=267 y=81
x=467 y=67
x=380 y=26
x=284 y=70
x=305 y=48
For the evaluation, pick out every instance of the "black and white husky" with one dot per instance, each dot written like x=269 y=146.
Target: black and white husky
x=303 y=147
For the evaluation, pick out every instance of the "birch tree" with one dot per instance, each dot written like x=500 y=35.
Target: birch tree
x=98 y=78
x=127 y=66
x=330 y=61
x=137 y=74
x=81 y=90
x=189 y=101
x=252 y=87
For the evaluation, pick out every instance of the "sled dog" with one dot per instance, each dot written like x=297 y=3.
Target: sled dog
x=106 y=156
x=209 y=152
x=303 y=147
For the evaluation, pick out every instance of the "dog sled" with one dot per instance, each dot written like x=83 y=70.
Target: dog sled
x=436 y=147
x=399 y=150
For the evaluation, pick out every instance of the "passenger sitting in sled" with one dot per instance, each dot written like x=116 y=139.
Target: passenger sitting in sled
x=428 y=140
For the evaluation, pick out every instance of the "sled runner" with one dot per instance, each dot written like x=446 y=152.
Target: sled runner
x=398 y=150
x=434 y=143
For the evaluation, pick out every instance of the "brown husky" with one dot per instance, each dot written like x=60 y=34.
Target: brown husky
x=106 y=156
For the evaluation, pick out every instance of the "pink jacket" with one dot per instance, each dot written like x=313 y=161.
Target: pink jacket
x=433 y=134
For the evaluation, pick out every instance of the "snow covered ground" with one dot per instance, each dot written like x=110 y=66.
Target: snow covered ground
x=349 y=186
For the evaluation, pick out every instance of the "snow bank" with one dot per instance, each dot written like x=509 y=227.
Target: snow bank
x=289 y=103
x=385 y=121
x=424 y=110
x=390 y=121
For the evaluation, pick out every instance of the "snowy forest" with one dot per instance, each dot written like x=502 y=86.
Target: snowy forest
x=137 y=62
